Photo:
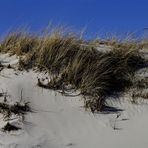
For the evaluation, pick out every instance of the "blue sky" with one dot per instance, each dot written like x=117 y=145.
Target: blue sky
x=98 y=16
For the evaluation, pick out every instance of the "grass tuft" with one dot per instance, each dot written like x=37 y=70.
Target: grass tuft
x=17 y=109
x=9 y=127
x=72 y=60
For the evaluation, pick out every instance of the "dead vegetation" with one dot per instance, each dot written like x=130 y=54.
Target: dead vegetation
x=18 y=109
x=13 y=111
x=71 y=60
x=9 y=127
x=139 y=89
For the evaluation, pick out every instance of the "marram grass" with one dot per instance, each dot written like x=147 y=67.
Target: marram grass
x=72 y=60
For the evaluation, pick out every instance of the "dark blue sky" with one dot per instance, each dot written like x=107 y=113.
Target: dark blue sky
x=96 y=15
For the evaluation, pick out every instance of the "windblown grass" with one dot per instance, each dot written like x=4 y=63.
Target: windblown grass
x=71 y=60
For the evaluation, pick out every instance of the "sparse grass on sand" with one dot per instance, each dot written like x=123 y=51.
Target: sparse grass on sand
x=72 y=60
x=9 y=127
x=17 y=109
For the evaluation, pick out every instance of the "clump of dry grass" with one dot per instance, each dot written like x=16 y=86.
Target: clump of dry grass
x=98 y=76
x=141 y=83
x=125 y=44
x=17 y=109
x=9 y=127
x=75 y=61
x=18 y=43
x=128 y=41
x=139 y=89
